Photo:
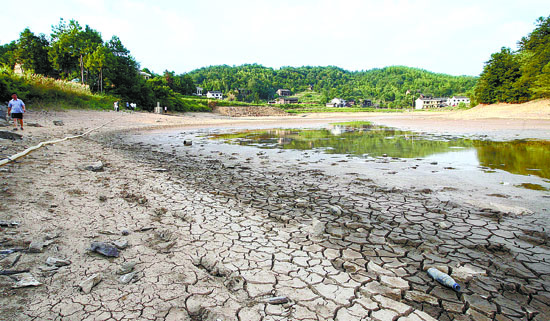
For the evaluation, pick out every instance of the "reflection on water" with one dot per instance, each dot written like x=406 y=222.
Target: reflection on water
x=525 y=157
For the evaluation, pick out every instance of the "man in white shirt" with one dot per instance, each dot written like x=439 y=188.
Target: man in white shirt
x=16 y=107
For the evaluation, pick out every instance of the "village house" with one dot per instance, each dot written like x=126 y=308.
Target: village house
x=429 y=102
x=425 y=102
x=366 y=103
x=145 y=75
x=336 y=102
x=286 y=100
x=283 y=92
x=455 y=100
x=214 y=94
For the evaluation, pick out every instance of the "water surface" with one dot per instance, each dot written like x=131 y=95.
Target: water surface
x=363 y=139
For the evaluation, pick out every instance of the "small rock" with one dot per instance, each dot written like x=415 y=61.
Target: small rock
x=25 y=280
x=125 y=232
x=467 y=272
x=9 y=135
x=187 y=143
x=126 y=268
x=44 y=268
x=443 y=225
x=277 y=300
x=104 y=249
x=335 y=209
x=9 y=224
x=95 y=167
x=87 y=285
x=121 y=244
x=159 y=170
x=53 y=261
x=58 y=123
x=127 y=278
x=317 y=228
x=36 y=246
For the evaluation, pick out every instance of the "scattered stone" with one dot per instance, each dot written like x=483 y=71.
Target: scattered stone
x=126 y=268
x=187 y=143
x=26 y=280
x=46 y=268
x=36 y=246
x=317 y=228
x=58 y=123
x=87 y=285
x=95 y=167
x=33 y=125
x=4 y=134
x=277 y=300
x=335 y=209
x=127 y=278
x=125 y=232
x=9 y=224
x=10 y=260
x=159 y=170
x=443 y=225
x=105 y=249
x=467 y=273
x=121 y=244
x=53 y=261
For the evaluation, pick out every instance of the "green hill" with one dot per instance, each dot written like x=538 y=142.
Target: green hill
x=387 y=86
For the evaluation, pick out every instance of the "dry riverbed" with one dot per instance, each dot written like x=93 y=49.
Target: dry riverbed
x=205 y=235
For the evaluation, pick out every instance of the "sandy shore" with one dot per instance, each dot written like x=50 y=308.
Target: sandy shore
x=206 y=235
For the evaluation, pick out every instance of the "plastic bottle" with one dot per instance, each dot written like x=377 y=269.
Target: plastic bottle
x=444 y=279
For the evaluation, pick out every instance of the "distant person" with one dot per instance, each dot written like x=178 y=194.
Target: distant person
x=17 y=108
x=127 y=105
x=165 y=109
x=116 y=105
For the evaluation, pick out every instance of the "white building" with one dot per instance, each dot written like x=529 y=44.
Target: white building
x=336 y=102
x=423 y=102
x=199 y=91
x=214 y=94
x=455 y=100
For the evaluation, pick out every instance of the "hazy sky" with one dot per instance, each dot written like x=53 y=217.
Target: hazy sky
x=453 y=37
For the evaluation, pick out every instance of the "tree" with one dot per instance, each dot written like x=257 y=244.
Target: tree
x=32 y=53
x=535 y=53
x=96 y=62
x=70 y=45
x=7 y=54
x=497 y=81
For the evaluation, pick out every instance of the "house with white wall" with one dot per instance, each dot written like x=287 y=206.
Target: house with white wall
x=336 y=102
x=214 y=94
x=455 y=100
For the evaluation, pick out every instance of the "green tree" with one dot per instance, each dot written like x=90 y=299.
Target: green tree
x=497 y=81
x=535 y=51
x=70 y=45
x=32 y=53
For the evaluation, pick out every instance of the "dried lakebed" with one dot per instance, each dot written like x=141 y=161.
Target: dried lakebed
x=329 y=246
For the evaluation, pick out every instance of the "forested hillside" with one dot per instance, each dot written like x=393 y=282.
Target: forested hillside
x=518 y=76
x=387 y=86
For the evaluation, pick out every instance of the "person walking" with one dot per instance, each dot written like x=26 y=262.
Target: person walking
x=17 y=108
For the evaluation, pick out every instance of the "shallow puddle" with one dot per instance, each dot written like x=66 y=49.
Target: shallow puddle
x=362 y=139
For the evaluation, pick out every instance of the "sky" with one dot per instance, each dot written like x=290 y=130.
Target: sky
x=451 y=37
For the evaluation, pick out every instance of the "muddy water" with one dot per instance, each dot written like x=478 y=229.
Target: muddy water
x=523 y=157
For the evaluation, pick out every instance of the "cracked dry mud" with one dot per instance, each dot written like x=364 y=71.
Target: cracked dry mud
x=212 y=241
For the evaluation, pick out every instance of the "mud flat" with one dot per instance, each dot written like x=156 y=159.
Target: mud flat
x=206 y=235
